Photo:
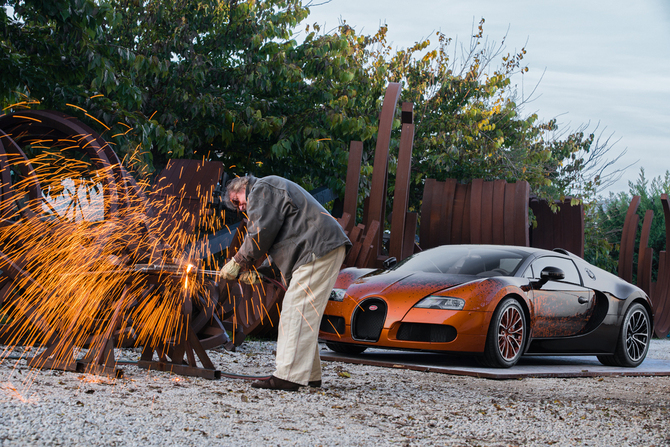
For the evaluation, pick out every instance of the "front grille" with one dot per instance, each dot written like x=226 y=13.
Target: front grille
x=438 y=333
x=332 y=324
x=368 y=320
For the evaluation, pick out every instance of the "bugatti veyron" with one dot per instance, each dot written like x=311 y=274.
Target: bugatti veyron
x=498 y=302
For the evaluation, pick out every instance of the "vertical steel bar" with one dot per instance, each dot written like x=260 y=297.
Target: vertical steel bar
x=353 y=178
x=402 y=179
x=377 y=204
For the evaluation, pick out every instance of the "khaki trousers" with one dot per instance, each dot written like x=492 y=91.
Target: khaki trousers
x=304 y=302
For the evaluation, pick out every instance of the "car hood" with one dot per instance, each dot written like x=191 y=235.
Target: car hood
x=419 y=284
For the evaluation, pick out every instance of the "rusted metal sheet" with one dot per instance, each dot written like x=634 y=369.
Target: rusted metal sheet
x=428 y=213
x=402 y=180
x=486 y=215
x=181 y=195
x=508 y=214
x=33 y=125
x=563 y=229
x=480 y=212
x=498 y=220
x=443 y=202
x=410 y=246
x=354 y=237
x=353 y=178
x=377 y=202
x=645 y=254
x=660 y=296
x=476 y=213
x=458 y=212
x=521 y=227
x=367 y=254
x=628 y=240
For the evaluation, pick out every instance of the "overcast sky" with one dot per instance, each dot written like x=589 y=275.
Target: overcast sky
x=606 y=63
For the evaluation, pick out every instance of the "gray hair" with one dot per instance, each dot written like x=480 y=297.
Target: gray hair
x=236 y=185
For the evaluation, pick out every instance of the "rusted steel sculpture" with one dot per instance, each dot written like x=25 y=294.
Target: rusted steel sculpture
x=72 y=282
x=658 y=291
x=347 y=221
x=628 y=240
x=476 y=213
x=376 y=211
x=367 y=236
x=403 y=224
x=181 y=194
x=561 y=229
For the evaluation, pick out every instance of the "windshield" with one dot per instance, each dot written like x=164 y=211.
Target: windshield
x=464 y=260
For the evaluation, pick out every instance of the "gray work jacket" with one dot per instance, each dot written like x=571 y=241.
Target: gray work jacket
x=287 y=223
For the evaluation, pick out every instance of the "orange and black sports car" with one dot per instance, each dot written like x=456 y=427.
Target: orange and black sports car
x=499 y=302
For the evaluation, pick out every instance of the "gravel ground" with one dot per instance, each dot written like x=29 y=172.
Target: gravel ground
x=358 y=405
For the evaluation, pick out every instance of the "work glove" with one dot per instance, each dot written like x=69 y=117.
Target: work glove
x=230 y=270
x=250 y=277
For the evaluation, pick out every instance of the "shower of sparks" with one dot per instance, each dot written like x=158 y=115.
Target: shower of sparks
x=89 y=254
x=72 y=234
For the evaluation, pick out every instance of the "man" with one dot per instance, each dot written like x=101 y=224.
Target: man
x=308 y=246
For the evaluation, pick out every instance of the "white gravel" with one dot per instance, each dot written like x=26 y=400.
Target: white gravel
x=358 y=405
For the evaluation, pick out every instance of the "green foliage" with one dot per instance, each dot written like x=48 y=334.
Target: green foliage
x=608 y=216
x=227 y=80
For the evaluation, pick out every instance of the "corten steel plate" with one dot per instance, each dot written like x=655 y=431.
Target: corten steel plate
x=528 y=367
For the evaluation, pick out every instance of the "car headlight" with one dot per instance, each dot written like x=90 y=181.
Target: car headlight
x=441 y=302
x=337 y=295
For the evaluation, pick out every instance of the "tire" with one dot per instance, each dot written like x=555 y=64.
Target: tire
x=634 y=338
x=344 y=348
x=506 y=336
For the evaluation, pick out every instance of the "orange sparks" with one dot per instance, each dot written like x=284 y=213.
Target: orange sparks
x=27 y=118
x=100 y=122
x=77 y=107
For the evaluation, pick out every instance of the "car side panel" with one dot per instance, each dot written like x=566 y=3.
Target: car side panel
x=561 y=310
x=601 y=340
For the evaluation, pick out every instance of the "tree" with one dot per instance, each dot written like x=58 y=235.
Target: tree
x=227 y=80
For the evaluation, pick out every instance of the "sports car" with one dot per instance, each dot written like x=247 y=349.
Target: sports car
x=498 y=302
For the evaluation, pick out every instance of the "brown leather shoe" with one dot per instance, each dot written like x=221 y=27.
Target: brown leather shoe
x=314 y=383
x=275 y=383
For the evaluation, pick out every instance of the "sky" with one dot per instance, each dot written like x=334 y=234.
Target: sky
x=600 y=63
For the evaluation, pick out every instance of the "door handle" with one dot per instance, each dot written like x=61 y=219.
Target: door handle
x=582 y=300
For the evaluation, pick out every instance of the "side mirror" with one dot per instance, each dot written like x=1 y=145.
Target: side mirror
x=389 y=262
x=549 y=274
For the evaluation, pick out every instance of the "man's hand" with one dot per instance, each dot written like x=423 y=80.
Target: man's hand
x=230 y=270
x=250 y=277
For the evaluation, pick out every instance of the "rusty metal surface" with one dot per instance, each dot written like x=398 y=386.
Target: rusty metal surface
x=181 y=195
x=410 y=246
x=563 y=229
x=659 y=291
x=353 y=178
x=528 y=366
x=475 y=213
x=401 y=196
x=645 y=254
x=377 y=203
x=660 y=296
x=628 y=240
